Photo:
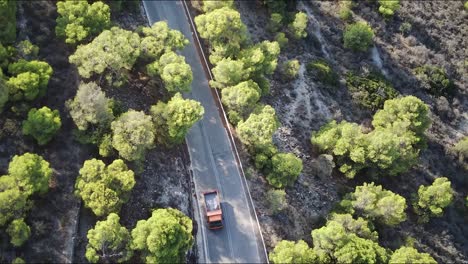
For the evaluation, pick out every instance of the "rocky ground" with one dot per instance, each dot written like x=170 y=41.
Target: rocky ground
x=58 y=222
x=437 y=36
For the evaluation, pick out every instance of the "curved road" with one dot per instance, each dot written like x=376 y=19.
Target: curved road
x=213 y=160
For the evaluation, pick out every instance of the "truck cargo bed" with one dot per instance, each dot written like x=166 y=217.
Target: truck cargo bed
x=211 y=201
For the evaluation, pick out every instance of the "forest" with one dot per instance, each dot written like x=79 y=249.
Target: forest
x=350 y=119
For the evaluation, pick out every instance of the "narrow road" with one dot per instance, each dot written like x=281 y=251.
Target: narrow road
x=213 y=160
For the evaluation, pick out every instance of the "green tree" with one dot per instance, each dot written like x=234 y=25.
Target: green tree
x=241 y=98
x=159 y=39
x=223 y=27
x=257 y=131
x=433 y=199
x=78 y=20
x=402 y=114
x=370 y=91
x=42 y=124
x=7 y=21
x=132 y=135
x=174 y=119
x=261 y=59
x=108 y=242
x=164 y=238
x=410 y=255
x=389 y=7
x=281 y=39
x=175 y=73
x=31 y=172
x=290 y=252
x=228 y=72
x=90 y=107
x=13 y=200
x=347 y=240
x=104 y=188
x=358 y=36
x=299 y=25
x=290 y=69
x=112 y=53
x=19 y=232
x=285 y=168
x=209 y=5
x=276 y=200
x=30 y=79
x=26 y=50
x=275 y=22
x=18 y=261
x=376 y=203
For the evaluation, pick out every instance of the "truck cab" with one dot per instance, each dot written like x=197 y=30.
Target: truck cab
x=214 y=213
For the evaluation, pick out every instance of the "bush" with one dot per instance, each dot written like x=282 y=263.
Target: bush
x=299 y=25
x=389 y=7
x=104 y=188
x=461 y=149
x=433 y=199
x=290 y=69
x=19 y=232
x=345 y=10
x=42 y=124
x=358 y=36
x=376 y=203
x=108 y=242
x=435 y=80
x=281 y=39
x=410 y=255
x=18 y=261
x=275 y=22
x=276 y=200
x=289 y=252
x=405 y=27
x=370 y=91
x=26 y=50
x=285 y=168
x=323 y=72
x=164 y=238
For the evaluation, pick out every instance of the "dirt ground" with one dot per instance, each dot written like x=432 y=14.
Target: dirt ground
x=58 y=221
x=438 y=36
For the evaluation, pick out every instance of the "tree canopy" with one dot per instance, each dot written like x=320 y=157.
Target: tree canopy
x=164 y=238
x=376 y=203
x=104 y=188
x=7 y=21
x=358 y=36
x=13 y=200
x=410 y=255
x=31 y=172
x=19 y=232
x=299 y=25
x=241 y=98
x=293 y=252
x=42 y=124
x=90 y=107
x=228 y=72
x=108 y=242
x=285 y=168
x=434 y=198
x=78 y=20
x=175 y=73
x=159 y=39
x=174 y=119
x=132 y=135
x=29 y=79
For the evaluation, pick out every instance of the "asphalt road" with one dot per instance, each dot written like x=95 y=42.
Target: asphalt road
x=213 y=161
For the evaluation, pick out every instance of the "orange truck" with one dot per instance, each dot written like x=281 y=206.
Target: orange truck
x=214 y=213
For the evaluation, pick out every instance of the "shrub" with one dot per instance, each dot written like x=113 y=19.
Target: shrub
x=26 y=50
x=461 y=149
x=281 y=39
x=433 y=199
x=42 y=124
x=275 y=22
x=358 y=36
x=18 y=261
x=299 y=25
x=370 y=91
x=290 y=252
x=285 y=168
x=435 y=80
x=323 y=72
x=19 y=232
x=389 y=7
x=276 y=200
x=164 y=238
x=290 y=69
x=410 y=255
x=405 y=27
x=104 y=188
x=345 y=10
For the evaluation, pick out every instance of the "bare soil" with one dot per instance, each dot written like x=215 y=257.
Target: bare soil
x=438 y=36
x=58 y=221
